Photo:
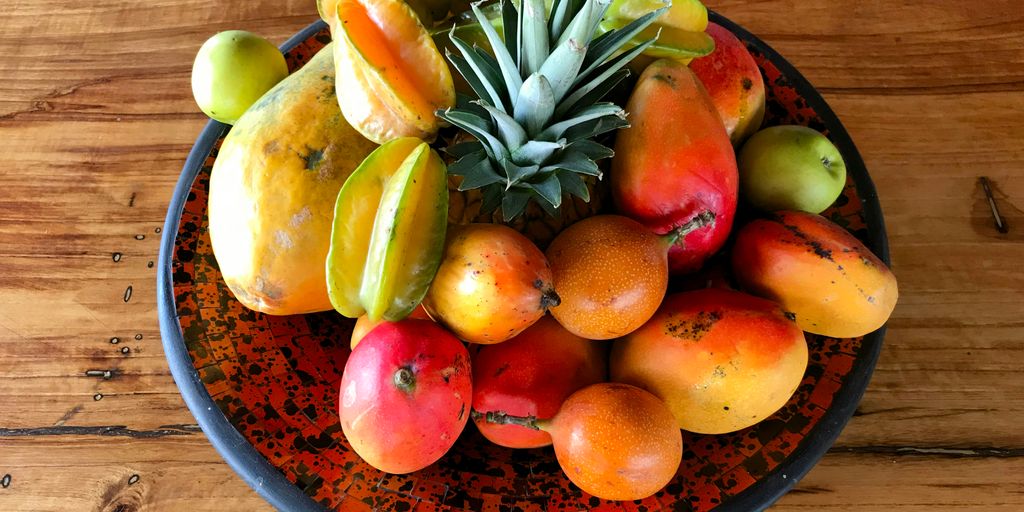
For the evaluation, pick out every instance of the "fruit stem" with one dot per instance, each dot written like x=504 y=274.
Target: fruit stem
x=702 y=219
x=549 y=299
x=502 y=418
x=405 y=380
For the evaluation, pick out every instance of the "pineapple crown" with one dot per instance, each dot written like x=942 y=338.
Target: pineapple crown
x=538 y=108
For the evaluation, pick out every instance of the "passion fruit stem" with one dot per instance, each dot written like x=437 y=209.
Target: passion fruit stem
x=405 y=380
x=503 y=418
x=702 y=219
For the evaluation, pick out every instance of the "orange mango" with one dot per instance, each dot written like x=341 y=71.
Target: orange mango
x=818 y=271
x=722 y=360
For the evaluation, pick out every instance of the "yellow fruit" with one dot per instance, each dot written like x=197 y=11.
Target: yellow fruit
x=273 y=188
x=390 y=76
x=389 y=230
x=493 y=283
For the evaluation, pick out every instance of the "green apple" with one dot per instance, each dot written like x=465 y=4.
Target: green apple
x=232 y=70
x=791 y=168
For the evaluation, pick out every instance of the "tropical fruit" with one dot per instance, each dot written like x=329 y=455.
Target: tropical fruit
x=389 y=69
x=531 y=375
x=492 y=284
x=364 y=325
x=272 y=191
x=722 y=360
x=232 y=70
x=388 y=232
x=675 y=163
x=405 y=395
x=538 y=107
x=733 y=82
x=818 y=271
x=614 y=441
x=611 y=274
x=791 y=167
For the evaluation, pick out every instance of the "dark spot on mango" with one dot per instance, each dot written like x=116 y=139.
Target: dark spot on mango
x=814 y=245
x=668 y=79
x=790 y=315
x=270 y=147
x=462 y=411
x=747 y=83
x=693 y=329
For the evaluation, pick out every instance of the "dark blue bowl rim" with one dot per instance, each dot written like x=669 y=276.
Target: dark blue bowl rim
x=273 y=486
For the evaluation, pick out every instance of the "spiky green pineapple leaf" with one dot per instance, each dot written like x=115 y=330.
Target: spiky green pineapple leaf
x=517 y=174
x=536 y=151
x=513 y=203
x=591 y=92
x=574 y=161
x=536 y=104
x=574 y=185
x=550 y=190
x=509 y=130
x=467 y=163
x=593 y=150
x=589 y=113
x=533 y=36
x=592 y=129
x=480 y=128
x=464 y=148
x=464 y=68
x=561 y=16
x=506 y=64
x=566 y=58
x=491 y=198
x=510 y=30
x=487 y=75
x=605 y=45
x=480 y=175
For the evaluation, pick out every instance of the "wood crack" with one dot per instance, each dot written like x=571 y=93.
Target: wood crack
x=933 y=451
x=109 y=430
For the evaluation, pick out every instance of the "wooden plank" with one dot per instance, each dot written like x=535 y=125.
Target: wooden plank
x=97 y=118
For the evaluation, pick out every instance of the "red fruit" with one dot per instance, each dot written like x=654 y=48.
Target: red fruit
x=531 y=375
x=734 y=82
x=675 y=162
x=405 y=395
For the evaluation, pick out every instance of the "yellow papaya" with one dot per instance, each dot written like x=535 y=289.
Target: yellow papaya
x=273 y=188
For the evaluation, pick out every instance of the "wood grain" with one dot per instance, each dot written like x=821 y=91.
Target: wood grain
x=96 y=119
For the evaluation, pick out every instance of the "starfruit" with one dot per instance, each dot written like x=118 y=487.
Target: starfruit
x=680 y=30
x=388 y=234
x=390 y=76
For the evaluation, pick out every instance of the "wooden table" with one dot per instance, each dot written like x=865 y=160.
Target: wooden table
x=96 y=117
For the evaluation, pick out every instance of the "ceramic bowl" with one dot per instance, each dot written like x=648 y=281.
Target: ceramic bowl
x=264 y=388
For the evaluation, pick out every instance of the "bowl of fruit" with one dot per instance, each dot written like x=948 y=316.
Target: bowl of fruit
x=566 y=255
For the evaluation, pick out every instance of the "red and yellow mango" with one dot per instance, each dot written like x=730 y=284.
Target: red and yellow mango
x=817 y=270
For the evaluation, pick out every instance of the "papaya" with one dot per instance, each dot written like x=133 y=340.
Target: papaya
x=273 y=188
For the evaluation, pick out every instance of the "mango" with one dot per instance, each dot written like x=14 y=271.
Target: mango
x=722 y=360
x=734 y=83
x=818 y=271
x=391 y=74
x=273 y=187
x=390 y=221
x=675 y=163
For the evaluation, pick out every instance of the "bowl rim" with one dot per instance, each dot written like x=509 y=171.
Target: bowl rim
x=270 y=483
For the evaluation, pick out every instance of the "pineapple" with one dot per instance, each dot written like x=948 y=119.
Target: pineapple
x=527 y=147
